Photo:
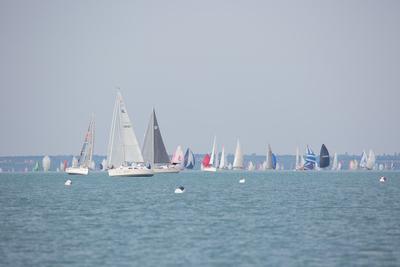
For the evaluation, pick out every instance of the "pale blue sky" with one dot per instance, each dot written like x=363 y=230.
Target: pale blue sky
x=282 y=72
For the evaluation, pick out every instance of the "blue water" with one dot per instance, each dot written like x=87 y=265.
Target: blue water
x=274 y=219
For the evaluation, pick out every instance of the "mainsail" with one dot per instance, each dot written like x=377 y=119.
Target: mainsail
x=213 y=156
x=222 y=162
x=153 y=147
x=371 y=160
x=123 y=147
x=335 y=162
x=238 y=161
x=189 y=160
x=310 y=160
x=274 y=163
x=363 y=161
x=177 y=158
x=269 y=160
x=86 y=154
x=324 y=157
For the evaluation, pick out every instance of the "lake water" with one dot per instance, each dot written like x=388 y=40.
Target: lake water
x=274 y=219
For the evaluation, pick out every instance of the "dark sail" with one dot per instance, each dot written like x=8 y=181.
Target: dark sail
x=323 y=157
x=153 y=148
x=189 y=161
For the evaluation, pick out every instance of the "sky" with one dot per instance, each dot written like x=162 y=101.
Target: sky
x=288 y=73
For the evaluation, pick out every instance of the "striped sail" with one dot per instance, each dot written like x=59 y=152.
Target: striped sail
x=310 y=159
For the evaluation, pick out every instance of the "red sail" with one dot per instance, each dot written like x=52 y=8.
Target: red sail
x=65 y=164
x=206 y=160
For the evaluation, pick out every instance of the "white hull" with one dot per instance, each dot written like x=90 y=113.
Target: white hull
x=131 y=172
x=77 y=171
x=165 y=169
x=209 y=169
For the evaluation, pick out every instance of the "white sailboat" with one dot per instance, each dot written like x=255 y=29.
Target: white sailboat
x=81 y=166
x=154 y=151
x=363 y=161
x=124 y=157
x=210 y=166
x=222 y=162
x=46 y=163
x=299 y=160
x=250 y=166
x=178 y=158
x=371 y=160
x=238 y=161
x=269 y=159
x=335 y=162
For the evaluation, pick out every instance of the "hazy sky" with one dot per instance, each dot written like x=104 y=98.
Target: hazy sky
x=289 y=73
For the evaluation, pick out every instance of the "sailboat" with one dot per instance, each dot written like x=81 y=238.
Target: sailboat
x=178 y=158
x=209 y=161
x=335 y=163
x=223 y=161
x=46 y=163
x=188 y=160
x=299 y=160
x=250 y=166
x=324 y=157
x=275 y=165
x=154 y=151
x=238 y=161
x=371 y=160
x=124 y=157
x=269 y=163
x=86 y=155
x=36 y=167
x=363 y=160
x=310 y=160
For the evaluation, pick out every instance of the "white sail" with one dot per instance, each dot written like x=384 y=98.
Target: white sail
x=297 y=166
x=46 y=163
x=371 y=160
x=335 y=162
x=74 y=163
x=123 y=146
x=363 y=161
x=238 y=161
x=222 y=162
x=104 y=165
x=251 y=166
x=269 y=165
x=178 y=156
x=213 y=156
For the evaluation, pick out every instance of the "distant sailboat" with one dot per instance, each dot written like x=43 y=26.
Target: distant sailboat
x=177 y=158
x=46 y=163
x=251 y=166
x=154 y=151
x=238 y=161
x=363 y=161
x=324 y=159
x=124 y=157
x=310 y=160
x=275 y=165
x=104 y=165
x=371 y=160
x=223 y=161
x=189 y=161
x=86 y=155
x=210 y=166
x=269 y=160
x=299 y=160
x=36 y=167
x=335 y=162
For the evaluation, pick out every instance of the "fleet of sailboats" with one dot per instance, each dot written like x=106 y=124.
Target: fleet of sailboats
x=126 y=159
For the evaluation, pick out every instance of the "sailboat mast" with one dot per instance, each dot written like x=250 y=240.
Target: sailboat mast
x=112 y=133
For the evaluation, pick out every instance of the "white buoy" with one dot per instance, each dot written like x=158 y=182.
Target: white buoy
x=179 y=190
x=242 y=181
x=382 y=179
x=68 y=182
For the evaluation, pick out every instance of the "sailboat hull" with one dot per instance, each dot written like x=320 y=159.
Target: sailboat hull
x=77 y=171
x=209 y=169
x=130 y=172
x=165 y=169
